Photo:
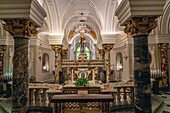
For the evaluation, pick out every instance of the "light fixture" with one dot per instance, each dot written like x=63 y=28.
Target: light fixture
x=44 y=67
x=120 y=67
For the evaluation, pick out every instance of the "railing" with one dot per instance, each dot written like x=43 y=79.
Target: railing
x=40 y=94
x=123 y=93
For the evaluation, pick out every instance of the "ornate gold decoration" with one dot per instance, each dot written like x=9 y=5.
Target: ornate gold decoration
x=72 y=33
x=101 y=51
x=142 y=24
x=107 y=47
x=82 y=60
x=57 y=48
x=90 y=31
x=89 y=62
x=20 y=27
x=2 y=48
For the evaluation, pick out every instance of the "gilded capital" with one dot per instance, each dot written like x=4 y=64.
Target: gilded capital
x=163 y=46
x=101 y=51
x=107 y=47
x=140 y=25
x=20 y=27
x=2 y=48
x=57 y=48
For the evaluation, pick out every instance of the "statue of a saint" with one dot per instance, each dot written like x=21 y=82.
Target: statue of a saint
x=82 y=42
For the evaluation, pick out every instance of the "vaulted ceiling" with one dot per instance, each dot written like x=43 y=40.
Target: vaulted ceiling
x=64 y=15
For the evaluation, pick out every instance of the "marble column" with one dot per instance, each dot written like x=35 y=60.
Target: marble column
x=21 y=30
x=142 y=74
x=139 y=28
x=107 y=48
x=58 y=65
x=164 y=63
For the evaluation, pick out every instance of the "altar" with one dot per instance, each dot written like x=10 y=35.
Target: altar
x=88 y=68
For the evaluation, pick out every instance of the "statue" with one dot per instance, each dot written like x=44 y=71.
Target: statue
x=82 y=42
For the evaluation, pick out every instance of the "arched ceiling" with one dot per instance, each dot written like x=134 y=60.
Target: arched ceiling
x=62 y=13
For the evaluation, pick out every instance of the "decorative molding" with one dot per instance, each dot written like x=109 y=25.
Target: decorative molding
x=137 y=8
x=30 y=10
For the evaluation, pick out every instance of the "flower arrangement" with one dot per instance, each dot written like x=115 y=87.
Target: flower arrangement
x=81 y=81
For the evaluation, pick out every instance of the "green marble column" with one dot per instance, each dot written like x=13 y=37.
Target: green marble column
x=142 y=74
x=20 y=75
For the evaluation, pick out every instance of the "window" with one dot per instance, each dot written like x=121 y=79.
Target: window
x=87 y=50
x=45 y=62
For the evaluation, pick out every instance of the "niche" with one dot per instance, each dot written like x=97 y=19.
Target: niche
x=119 y=61
x=45 y=62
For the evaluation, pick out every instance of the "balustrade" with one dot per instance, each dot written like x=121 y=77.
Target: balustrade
x=123 y=93
x=40 y=94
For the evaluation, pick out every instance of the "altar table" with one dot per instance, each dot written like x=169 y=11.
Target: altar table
x=105 y=98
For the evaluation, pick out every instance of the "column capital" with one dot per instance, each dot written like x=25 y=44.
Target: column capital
x=2 y=48
x=107 y=47
x=140 y=25
x=101 y=51
x=57 y=48
x=20 y=27
x=164 y=46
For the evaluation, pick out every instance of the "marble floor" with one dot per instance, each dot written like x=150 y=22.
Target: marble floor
x=165 y=107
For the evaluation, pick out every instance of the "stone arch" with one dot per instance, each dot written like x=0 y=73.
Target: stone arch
x=165 y=20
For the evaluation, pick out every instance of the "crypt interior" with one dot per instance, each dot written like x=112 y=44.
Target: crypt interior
x=84 y=56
